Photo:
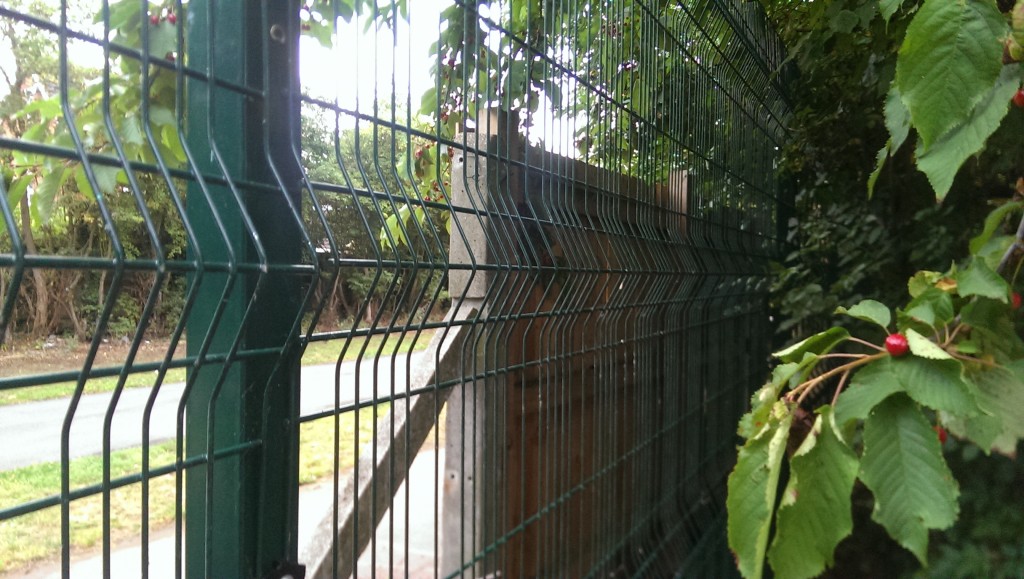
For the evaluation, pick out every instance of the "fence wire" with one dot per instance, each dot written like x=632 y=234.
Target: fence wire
x=350 y=288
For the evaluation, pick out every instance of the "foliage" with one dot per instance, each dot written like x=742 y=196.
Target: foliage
x=127 y=113
x=963 y=372
x=363 y=219
x=966 y=375
x=95 y=208
x=849 y=246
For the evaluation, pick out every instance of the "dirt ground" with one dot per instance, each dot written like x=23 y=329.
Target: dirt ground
x=56 y=354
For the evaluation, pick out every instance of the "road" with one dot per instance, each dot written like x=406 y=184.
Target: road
x=30 y=433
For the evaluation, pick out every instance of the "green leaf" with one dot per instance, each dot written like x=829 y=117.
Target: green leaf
x=941 y=161
x=815 y=514
x=46 y=193
x=323 y=33
x=933 y=307
x=869 y=311
x=17 y=190
x=870 y=385
x=992 y=329
x=47 y=109
x=752 y=487
x=761 y=402
x=880 y=158
x=163 y=39
x=122 y=14
x=937 y=384
x=888 y=8
x=1004 y=392
x=1001 y=396
x=904 y=468
x=897 y=118
x=925 y=348
x=992 y=223
x=993 y=251
x=160 y=116
x=171 y=147
x=428 y=102
x=923 y=281
x=817 y=344
x=844 y=21
x=978 y=279
x=949 y=58
x=345 y=9
x=967 y=347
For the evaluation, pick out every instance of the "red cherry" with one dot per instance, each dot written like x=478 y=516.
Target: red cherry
x=172 y=18
x=1015 y=300
x=896 y=345
x=943 y=435
x=154 y=19
x=1018 y=98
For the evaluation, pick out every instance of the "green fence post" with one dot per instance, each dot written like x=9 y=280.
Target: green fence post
x=242 y=393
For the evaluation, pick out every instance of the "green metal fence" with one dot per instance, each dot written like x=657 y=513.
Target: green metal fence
x=371 y=288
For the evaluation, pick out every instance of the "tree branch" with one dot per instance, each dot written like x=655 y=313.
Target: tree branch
x=1018 y=245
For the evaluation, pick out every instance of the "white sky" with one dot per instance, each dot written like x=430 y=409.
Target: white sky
x=365 y=65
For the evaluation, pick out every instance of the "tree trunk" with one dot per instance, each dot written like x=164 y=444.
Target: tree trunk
x=41 y=311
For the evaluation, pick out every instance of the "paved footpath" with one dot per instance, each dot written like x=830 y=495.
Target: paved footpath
x=314 y=500
x=30 y=433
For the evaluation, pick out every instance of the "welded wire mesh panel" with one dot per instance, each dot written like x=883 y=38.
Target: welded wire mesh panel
x=422 y=288
x=153 y=273
x=575 y=202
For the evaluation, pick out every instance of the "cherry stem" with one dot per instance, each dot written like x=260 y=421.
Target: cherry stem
x=803 y=389
x=866 y=343
x=839 y=389
x=971 y=359
x=949 y=340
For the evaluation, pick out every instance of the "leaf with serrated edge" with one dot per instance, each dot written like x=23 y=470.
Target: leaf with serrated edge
x=888 y=8
x=922 y=281
x=817 y=344
x=815 y=514
x=942 y=81
x=1001 y=396
x=925 y=348
x=880 y=158
x=897 y=118
x=933 y=307
x=978 y=279
x=869 y=311
x=943 y=159
x=937 y=384
x=869 y=386
x=752 y=486
x=761 y=401
x=992 y=223
x=993 y=330
x=904 y=468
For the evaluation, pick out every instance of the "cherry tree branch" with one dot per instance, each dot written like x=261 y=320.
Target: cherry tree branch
x=1015 y=247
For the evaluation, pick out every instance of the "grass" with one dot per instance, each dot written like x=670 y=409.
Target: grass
x=316 y=353
x=36 y=536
